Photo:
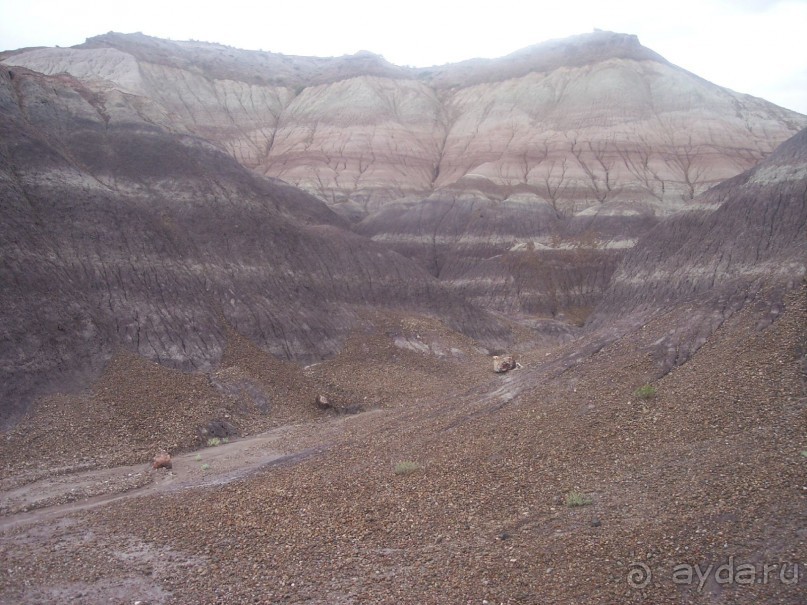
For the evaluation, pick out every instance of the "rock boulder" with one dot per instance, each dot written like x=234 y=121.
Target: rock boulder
x=503 y=363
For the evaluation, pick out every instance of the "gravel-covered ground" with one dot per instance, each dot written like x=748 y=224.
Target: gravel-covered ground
x=709 y=471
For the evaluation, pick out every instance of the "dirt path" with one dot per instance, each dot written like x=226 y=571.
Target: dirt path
x=48 y=495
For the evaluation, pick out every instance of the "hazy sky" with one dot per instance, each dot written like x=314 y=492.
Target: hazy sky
x=753 y=46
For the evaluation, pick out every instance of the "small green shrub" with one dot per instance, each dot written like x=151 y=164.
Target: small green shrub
x=645 y=392
x=577 y=499
x=804 y=453
x=225 y=440
x=213 y=442
x=197 y=457
x=205 y=466
x=406 y=467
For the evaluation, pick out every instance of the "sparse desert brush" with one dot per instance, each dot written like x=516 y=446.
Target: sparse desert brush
x=406 y=467
x=205 y=466
x=213 y=442
x=577 y=499
x=645 y=392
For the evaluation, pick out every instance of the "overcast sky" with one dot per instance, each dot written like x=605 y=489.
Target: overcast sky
x=752 y=46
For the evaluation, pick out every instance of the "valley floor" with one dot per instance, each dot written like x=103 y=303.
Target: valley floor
x=554 y=483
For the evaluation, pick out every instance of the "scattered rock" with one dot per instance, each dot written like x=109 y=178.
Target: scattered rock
x=162 y=460
x=218 y=428
x=503 y=363
x=323 y=403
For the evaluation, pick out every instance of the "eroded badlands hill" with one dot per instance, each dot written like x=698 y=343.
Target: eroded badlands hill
x=134 y=216
x=119 y=233
x=629 y=125
x=568 y=151
x=745 y=241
